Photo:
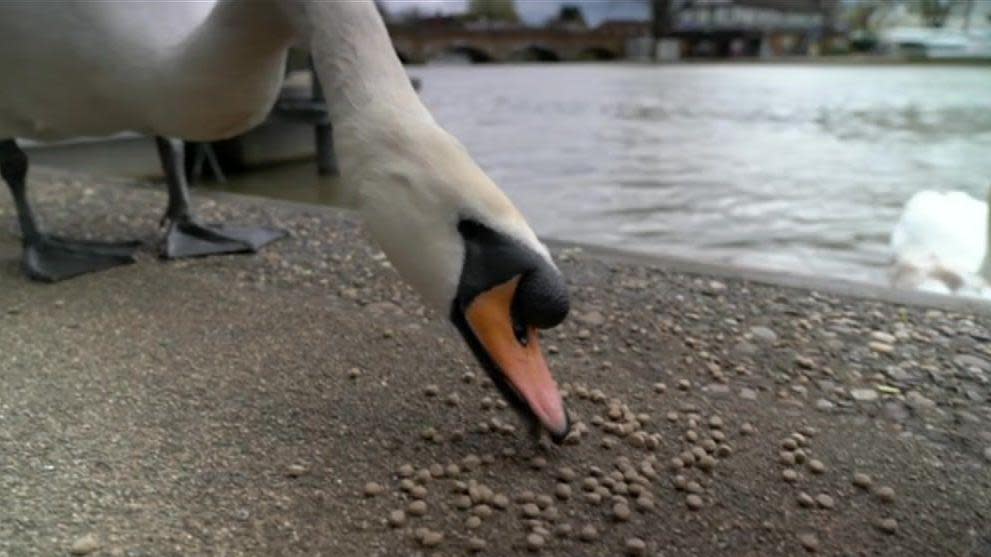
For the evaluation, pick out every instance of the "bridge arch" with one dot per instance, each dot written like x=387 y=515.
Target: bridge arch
x=534 y=53
x=597 y=53
x=472 y=54
x=404 y=57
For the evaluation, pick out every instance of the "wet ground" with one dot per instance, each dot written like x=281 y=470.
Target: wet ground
x=294 y=402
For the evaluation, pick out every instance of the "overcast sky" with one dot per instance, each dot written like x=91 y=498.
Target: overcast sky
x=537 y=11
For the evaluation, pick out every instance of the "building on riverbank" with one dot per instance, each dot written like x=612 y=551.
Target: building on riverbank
x=749 y=28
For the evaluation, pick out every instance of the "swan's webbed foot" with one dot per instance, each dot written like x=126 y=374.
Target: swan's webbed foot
x=187 y=238
x=51 y=259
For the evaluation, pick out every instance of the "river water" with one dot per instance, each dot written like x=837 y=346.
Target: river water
x=796 y=167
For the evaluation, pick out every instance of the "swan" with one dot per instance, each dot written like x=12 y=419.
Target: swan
x=208 y=70
x=942 y=243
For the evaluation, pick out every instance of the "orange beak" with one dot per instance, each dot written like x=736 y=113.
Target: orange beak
x=490 y=317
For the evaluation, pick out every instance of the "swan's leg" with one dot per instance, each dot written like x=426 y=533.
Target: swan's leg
x=186 y=237
x=50 y=258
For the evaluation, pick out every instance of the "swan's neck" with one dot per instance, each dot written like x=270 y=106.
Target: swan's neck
x=223 y=76
x=234 y=39
x=355 y=60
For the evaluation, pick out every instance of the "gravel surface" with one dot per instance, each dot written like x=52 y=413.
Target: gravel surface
x=301 y=402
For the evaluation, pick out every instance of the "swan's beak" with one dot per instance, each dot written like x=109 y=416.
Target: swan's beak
x=516 y=354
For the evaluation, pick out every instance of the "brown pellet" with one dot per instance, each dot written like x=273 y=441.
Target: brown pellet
x=534 y=542
x=887 y=525
x=694 y=502
x=431 y=538
x=417 y=508
x=789 y=475
x=397 y=518
x=861 y=480
x=816 y=466
x=372 y=489
x=588 y=533
x=476 y=544
x=885 y=494
x=621 y=512
x=636 y=547
x=825 y=501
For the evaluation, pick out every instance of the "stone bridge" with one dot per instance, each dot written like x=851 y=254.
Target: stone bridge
x=417 y=44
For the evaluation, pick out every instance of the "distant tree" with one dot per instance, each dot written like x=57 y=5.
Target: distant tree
x=571 y=13
x=493 y=10
x=933 y=12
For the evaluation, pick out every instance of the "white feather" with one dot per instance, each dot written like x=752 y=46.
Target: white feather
x=941 y=244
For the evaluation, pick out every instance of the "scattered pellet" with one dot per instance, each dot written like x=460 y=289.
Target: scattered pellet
x=825 y=501
x=789 y=444
x=724 y=451
x=538 y=462
x=789 y=475
x=715 y=422
x=418 y=492
x=500 y=501
x=660 y=388
x=562 y=491
x=588 y=533
x=861 y=480
x=747 y=429
x=809 y=541
x=534 y=542
x=296 y=470
x=787 y=458
x=621 y=512
x=372 y=489
x=806 y=500
x=562 y=529
x=885 y=494
x=417 y=508
x=431 y=538
x=684 y=384
x=406 y=471
x=544 y=501
x=473 y=522
x=353 y=373
x=800 y=456
x=816 y=466
x=694 y=502
x=887 y=525
x=468 y=377
x=431 y=390
x=397 y=518
x=436 y=471
x=693 y=487
x=462 y=502
x=476 y=544
x=84 y=545
x=636 y=547
x=530 y=510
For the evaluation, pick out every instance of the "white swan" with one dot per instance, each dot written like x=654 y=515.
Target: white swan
x=209 y=70
x=942 y=243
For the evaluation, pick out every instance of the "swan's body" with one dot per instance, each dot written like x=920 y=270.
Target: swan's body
x=196 y=70
x=209 y=70
x=941 y=244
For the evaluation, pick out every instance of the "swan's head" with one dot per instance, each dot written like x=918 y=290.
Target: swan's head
x=456 y=238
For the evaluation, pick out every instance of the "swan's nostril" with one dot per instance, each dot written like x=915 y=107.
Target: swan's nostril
x=542 y=298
